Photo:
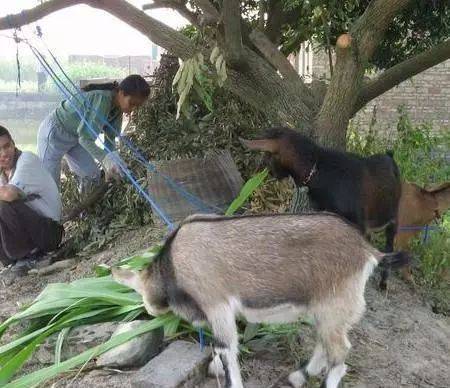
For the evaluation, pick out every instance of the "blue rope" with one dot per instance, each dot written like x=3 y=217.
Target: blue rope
x=118 y=160
x=425 y=237
x=412 y=228
x=201 y=338
x=197 y=202
x=427 y=228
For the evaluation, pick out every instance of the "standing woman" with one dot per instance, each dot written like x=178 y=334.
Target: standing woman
x=64 y=134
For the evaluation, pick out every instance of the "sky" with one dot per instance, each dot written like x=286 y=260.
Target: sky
x=84 y=30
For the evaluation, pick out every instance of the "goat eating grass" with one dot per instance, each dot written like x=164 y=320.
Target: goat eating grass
x=264 y=268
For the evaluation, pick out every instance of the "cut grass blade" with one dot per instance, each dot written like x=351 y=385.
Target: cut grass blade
x=250 y=186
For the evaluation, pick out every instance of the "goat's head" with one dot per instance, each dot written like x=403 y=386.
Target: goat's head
x=441 y=193
x=288 y=153
x=141 y=282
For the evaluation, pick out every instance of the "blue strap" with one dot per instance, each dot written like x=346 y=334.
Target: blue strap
x=197 y=202
x=425 y=237
x=201 y=338
x=60 y=85
x=412 y=228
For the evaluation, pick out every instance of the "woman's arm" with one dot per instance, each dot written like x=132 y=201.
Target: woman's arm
x=98 y=105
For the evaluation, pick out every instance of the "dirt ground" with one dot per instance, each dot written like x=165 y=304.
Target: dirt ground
x=400 y=342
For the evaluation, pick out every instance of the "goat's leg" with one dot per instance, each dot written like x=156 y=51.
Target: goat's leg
x=315 y=365
x=390 y=231
x=226 y=347
x=390 y=236
x=337 y=346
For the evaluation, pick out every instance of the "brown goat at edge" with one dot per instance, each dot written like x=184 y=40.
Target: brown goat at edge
x=418 y=207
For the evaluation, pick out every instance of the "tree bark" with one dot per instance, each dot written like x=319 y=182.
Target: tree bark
x=353 y=51
x=177 y=6
x=232 y=28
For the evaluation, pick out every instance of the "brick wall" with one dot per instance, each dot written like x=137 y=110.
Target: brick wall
x=426 y=97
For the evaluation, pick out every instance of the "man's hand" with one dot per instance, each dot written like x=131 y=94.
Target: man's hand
x=10 y=193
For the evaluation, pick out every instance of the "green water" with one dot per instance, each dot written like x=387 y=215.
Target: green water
x=24 y=132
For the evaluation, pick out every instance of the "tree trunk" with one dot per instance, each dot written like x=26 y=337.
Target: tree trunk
x=337 y=109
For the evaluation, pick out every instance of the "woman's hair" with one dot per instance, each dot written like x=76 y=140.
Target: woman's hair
x=4 y=132
x=133 y=85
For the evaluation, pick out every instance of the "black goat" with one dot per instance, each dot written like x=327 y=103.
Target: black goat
x=366 y=191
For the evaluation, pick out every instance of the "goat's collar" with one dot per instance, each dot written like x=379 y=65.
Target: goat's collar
x=310 y=175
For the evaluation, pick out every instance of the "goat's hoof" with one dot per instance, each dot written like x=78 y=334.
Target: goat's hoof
x=215 y=367
x=324 y=384
x=297 y=379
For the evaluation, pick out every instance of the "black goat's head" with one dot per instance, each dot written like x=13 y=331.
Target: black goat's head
x=272 y=158
x=288 y=153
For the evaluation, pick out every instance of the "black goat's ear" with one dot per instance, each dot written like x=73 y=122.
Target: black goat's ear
x=268 y=145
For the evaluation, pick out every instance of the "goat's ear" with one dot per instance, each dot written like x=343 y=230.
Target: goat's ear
x=132 y=279
x=268 y=145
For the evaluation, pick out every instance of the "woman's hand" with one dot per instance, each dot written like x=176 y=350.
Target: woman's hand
x=113 y=170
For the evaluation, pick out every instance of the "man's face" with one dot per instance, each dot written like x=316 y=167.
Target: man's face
x=7 y=152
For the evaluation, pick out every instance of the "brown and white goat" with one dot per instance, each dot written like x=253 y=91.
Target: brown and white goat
x=268 y=268
x=418 y=208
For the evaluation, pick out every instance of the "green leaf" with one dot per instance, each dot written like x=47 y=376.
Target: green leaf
x=102 y=270
x=250 y=186
x=45 y=374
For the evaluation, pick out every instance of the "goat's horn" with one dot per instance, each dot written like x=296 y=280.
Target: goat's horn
x=269 y=145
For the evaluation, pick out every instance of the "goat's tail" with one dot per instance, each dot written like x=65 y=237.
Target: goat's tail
x=395 y=260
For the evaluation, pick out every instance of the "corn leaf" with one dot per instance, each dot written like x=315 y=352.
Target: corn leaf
x=45 y=374
x=250 y=186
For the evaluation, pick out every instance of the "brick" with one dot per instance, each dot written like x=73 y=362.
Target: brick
x=181 y=364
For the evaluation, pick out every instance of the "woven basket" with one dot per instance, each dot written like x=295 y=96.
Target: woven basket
x=214 y=180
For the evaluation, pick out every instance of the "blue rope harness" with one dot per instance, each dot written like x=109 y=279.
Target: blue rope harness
x=138 y=156
x=412 y=228
x=118 y=160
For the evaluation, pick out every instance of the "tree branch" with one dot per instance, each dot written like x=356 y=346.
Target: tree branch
x=261 y=13
x=401 y=72
x=275 y=19
x=156 y=31
x=210 y=13
x=177 y=5
x=369 y=29
x=31 y=15
x=280 y=62
x=232 y=28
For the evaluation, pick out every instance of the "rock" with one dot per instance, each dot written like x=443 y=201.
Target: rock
x=134 y=353
x=77 y=341
x=181 y=364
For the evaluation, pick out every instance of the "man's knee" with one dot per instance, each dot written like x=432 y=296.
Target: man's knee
x=6 y=208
